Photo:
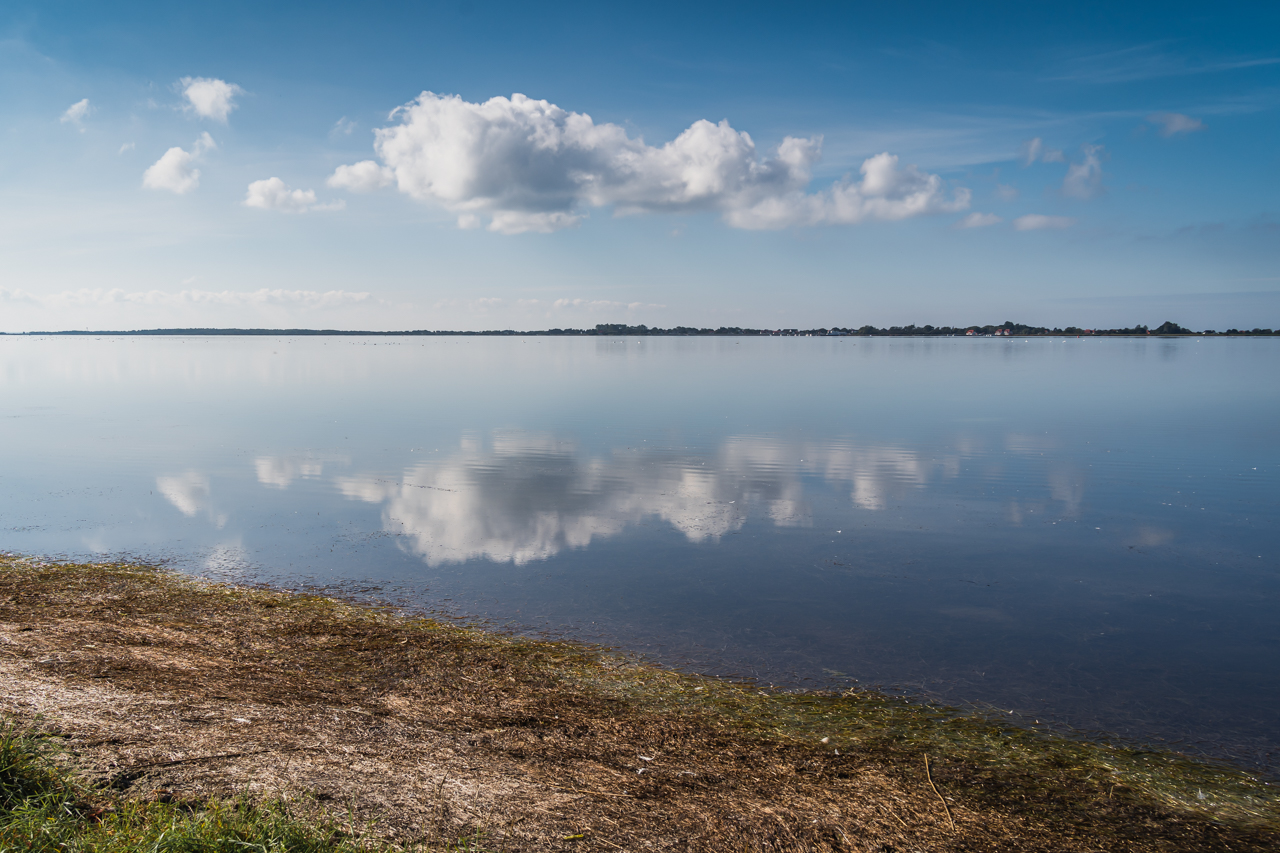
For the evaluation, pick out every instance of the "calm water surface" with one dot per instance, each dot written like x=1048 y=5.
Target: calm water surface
x=1078 y=531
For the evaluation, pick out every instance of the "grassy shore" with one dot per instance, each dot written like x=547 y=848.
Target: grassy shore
x=46 y=808
x=184 y=709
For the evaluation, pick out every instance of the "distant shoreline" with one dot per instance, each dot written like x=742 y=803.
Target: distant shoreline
x=1008 y=329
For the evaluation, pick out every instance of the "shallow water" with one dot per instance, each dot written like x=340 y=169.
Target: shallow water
x=1081 y=531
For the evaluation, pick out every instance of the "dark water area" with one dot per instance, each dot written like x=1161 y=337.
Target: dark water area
x=1081 y=531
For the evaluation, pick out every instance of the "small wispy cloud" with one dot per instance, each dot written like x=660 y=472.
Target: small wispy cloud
x=76 y=113
x=1034 y=150
x=1084 y=179
x=16 y=295
x=273 y=194
x=1004 y=192
x=264 y=297
x=543 y=307
x=209 y=97
x=979 y=220
x=128 y=146
x=1040 y=222
x=1171 y=124
x=601 y=305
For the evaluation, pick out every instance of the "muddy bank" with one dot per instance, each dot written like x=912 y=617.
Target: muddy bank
x=429 y=732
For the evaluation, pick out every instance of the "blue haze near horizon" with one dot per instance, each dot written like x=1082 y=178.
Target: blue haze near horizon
x=1080 y=531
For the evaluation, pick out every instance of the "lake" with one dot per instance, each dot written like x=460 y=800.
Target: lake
x=1082 y=532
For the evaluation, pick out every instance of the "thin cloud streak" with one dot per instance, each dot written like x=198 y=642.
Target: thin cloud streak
x=1172 y=124
x=1146 y=62
x=1040 y=222
x=236 y=298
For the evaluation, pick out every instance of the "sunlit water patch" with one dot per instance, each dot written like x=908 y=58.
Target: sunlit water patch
x=1077 y=531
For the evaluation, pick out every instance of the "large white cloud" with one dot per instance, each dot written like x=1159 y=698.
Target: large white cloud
x=175 y=171
x=272 y=194
x=209 y=97
x=531 y=166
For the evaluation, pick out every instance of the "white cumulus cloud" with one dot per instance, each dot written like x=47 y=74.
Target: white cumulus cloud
x=76 y=113
x=209 y=97
x=175 y=170
x=531 y=166
x=1039 y=222
x=1084 y=179
x=1171 y=124
x=979 y=220
x=365 y=176
x=272 y=194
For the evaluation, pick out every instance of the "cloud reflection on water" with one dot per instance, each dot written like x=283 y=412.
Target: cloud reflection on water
x=190 y=493
x=527 y=497
x=279 y=472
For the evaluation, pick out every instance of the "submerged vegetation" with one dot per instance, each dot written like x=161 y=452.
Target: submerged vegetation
x=194 y=708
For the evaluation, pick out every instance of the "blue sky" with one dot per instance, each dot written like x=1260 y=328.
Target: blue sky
x=370 y=166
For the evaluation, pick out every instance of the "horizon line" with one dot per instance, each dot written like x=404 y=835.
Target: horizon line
x=1007 y=328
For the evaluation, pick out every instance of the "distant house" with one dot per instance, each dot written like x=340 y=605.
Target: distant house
x=971 y=333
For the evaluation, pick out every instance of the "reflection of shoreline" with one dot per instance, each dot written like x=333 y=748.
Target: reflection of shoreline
x=528 y=497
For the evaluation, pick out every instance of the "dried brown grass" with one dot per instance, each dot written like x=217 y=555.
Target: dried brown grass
x=430 y=732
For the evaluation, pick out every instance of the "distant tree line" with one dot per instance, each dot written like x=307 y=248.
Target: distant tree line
x=1007 y=328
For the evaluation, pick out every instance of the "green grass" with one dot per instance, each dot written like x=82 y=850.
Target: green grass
x=46 y=808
